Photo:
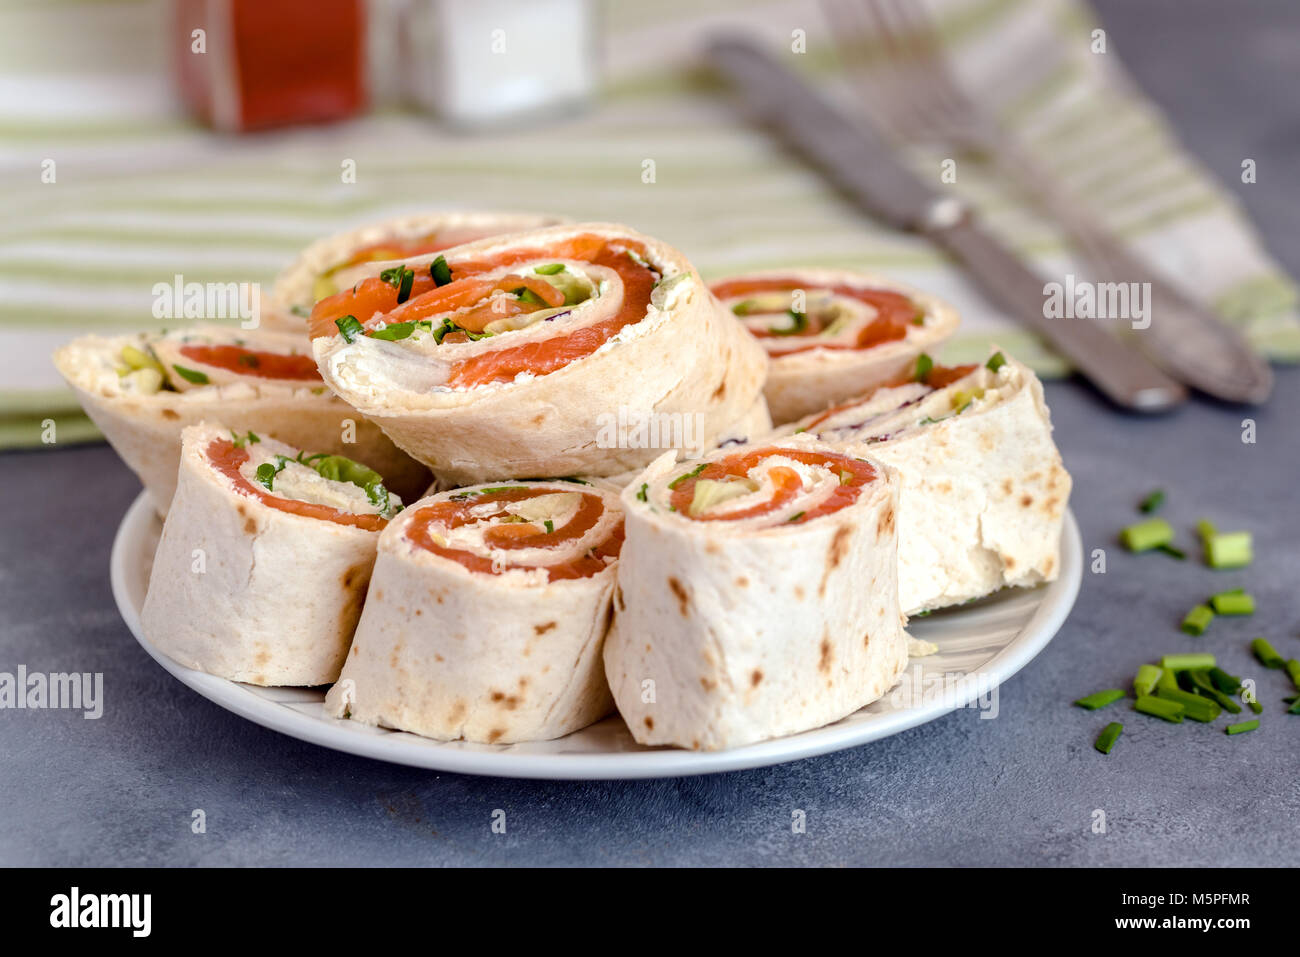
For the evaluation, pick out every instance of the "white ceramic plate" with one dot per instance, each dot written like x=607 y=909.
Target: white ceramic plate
x=980 y=646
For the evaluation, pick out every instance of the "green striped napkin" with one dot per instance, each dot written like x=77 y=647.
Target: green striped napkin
x=141 y=195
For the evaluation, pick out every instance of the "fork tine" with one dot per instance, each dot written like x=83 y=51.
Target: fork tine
x=926 y=46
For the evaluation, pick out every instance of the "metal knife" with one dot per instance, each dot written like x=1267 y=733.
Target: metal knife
x=859 y=162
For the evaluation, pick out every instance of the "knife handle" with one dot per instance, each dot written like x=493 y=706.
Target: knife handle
x=1119 y=371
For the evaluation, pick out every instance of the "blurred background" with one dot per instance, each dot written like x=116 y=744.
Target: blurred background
x=216 y=138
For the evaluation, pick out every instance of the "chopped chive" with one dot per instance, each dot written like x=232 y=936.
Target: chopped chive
x=550 y=526
x=248 y=438
x=1233 y=603
x=440 y=272
x=1172 y=552
x=794 y=518
x=687 y=475
x=1295 y=706
x=1152 y=501
x=1205 y=528
x=349 y=328
x=744 y=308
x=1147 y=535
x=1267 y=654
x=798 y=323
x=1167 y=679
x=404 y=287
x=996 y=362
x=1195 y=707
x=1197 y=620
x=191 y=375
x=1228 y=684
x=549 y=270
x=923 y=366
x=1258 y=708
x=641 y=495
x=1241 y=727
x=1229 y=550
x=1159 y=708
x=1187 y=662
x=527 y=295
x=1293 y=672
x=266 y=473
x=1109 y=734
x=1100 y=699
x=400 y=330
x=1144 y=682
x=1202 y=684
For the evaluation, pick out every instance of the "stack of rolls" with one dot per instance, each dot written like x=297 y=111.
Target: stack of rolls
x=487 y=615
x=612 y=522
x=757 y=595
x=833 y=334
x=264 y=559
x=143 y=389
x=505 y=358
x=984 y=488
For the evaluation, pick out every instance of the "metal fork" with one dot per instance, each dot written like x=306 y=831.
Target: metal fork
x=909 y=89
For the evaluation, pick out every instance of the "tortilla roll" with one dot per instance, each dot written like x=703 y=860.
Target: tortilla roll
x=142 y=390
x=314 y=273
x=984 y=489
x=833 y=334
x=506 y=357
x=487 y=615
x=757 y=595
x=262 y=567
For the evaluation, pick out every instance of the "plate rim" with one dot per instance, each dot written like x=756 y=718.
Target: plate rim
x=1044 y=623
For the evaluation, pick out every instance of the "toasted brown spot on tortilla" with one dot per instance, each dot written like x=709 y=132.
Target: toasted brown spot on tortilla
x=543 y=629
x=721 y=390
x=839 y=545
x=1026 y=500
x=650 y=722
x=712 y=548
x=986 y=442
x=824 y=664
x=458 y=711
x=742 y=582
x=354 y=575
x=258 y=680
x=647 y=647
x=169 y=414
x=508 y=701
x=756 y=678
x=1051 y=505
x=379 y=594
x=866 y=639
x=945 y=487
x=1006 y=486
x=1008 y=561
x=250 y=525
x=263 y=656
x=798 y=592
x=494 y=734
x=618 y=594
x=539 y=418
x=355 y=650
x=885 y=524
x=419 y=612
x=678 y=589
x=1049 y=565
x=708 y=684
x=438 y=657
x=695 y=745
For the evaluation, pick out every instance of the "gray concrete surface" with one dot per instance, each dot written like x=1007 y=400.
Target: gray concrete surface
x=1020 y=789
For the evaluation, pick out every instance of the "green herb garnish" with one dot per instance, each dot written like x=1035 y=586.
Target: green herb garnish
x=266 y=473
x=349 y=328
x=1241 y=727
x=549 y=270
x=798 y=324
x=996 y=362
x=1152 y=501
x=923 y=366
x=1109 y=735
x=1147 y=535
x=550 y=526
x=687 y=475
x=641 y=495
x=191 y=375
x=248 y=438
x=1100 y=699
x=795 y=517
x=440 y=272
x=1197 y=620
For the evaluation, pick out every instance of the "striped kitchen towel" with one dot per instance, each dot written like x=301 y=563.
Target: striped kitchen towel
x=139 y=194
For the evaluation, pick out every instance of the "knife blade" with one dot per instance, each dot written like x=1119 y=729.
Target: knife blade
x=859 y=161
